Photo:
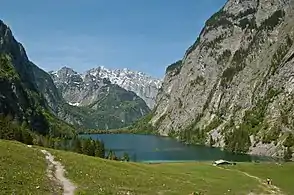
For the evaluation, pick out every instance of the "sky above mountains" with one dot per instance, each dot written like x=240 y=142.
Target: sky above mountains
x=142 y=35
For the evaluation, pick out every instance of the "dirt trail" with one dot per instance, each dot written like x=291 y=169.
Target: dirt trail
x=270 y=189
x=56 y=172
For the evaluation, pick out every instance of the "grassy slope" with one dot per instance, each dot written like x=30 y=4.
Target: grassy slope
x=282 y=176
x=97 y=176
x=22 y=170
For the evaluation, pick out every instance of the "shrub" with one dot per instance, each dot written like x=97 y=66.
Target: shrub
x=175 y=67
x=271 y=22
x=289 y=142
x=288 y=154
x=214 y=124
x=247 y=23
x=220 y=18
x=224 y=57
x=6 y=68
x=271 y=136
x=193 y=46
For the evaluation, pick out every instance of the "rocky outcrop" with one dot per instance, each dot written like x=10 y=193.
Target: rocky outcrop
x=234 y=85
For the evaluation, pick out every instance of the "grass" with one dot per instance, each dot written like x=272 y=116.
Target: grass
x=22 y=170
x=97 y=176
x=282 y=175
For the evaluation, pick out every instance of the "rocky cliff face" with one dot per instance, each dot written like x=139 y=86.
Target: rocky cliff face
x=234 y=85
x=95 y=101
x=143 y=85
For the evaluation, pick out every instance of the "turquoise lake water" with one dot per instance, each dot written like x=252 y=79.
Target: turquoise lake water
x=149 y=148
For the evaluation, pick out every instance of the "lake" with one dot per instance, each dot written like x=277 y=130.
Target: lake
x=150 y=148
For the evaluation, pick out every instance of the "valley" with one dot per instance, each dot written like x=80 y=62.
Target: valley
x=99 y=130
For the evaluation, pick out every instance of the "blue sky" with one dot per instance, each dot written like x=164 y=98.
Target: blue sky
x=143 y=35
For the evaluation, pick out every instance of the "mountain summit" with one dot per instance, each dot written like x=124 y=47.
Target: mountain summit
x=143 y=85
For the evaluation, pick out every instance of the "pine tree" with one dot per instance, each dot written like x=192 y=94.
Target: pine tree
x=88 y=147
x=111 y=155
x=99 y=149
x=7 y=128
x=18 y=134
x=77 y=145
x=126 y=157
x=27 y=137
x=92 y=148
x=102 y=150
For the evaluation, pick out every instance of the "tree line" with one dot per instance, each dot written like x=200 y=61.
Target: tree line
x=13 y=130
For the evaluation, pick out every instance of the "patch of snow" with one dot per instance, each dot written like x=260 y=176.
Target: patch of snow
x=74 y=104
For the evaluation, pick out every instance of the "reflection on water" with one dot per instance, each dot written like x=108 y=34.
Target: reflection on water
x=155 y=148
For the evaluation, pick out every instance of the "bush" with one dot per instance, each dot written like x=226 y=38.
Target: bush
x=271 y=22
x=6 y=68
x=224 y=57
x=289 y=142
x=175 y=66
x=288 y=154
x=193 y=46
x=247 y=23
x=111 y=155
x=125 y=157
x=272 y=135
x=220 y=18
x=214 y=124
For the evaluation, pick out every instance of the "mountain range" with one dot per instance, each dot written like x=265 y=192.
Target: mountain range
x=143 y=85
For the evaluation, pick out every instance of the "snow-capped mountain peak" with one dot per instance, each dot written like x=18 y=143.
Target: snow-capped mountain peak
x=142 y=84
